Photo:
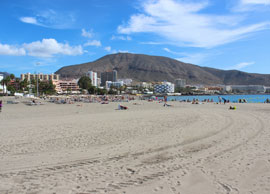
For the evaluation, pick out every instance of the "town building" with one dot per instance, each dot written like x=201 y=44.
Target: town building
x=64 y=86
x=267 y=89
x=117 y=84
x=126 y=81
x=164 y=87
x=180 y=83
x=248 y=88
x=93 y=76
x=98 y=82
x=144 y=85
x=108 y=76
x=40 y=76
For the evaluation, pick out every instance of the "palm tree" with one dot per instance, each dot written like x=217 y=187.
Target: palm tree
x=5 y=82
x=12 y=76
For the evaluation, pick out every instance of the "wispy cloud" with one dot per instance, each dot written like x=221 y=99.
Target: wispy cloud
x=260 y=2
x=240 y=66
x=96 y=43
x=194 y=58
x=88 y=34
x=50 y=19
x=108 y=48
x=29 y=20
x=44 y=48
x=120 y=37
x=181 y=23
x=123 y=51
x=172 y=52
x=251 y=5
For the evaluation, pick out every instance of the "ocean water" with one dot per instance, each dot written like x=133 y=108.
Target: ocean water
x=232 y=98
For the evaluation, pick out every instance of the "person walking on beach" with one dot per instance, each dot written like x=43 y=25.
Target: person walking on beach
x=165 y=101
x=1 y=104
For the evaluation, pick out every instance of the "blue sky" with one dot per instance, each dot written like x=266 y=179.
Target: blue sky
x=43 y=36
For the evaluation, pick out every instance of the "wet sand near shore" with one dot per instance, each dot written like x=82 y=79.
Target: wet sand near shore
x=94 y=148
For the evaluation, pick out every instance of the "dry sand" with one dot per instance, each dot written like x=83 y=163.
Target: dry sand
x=148 y=148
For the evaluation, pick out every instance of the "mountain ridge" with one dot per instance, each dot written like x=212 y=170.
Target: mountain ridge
x=141 y=67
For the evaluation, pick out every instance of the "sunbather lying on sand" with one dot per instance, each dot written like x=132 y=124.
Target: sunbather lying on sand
x=232 y=108
x=121 y=107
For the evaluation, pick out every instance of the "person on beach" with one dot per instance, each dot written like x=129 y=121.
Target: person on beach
x=219 y=100
x=165 y=101
x=1 y=104
x=224 y=100
x=232 y=108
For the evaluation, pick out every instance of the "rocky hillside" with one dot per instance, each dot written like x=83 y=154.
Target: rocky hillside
x=141 y=67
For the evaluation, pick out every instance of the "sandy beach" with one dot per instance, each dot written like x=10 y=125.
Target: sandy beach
x=87 y=148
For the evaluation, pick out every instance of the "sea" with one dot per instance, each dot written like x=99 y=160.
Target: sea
x=231 y=98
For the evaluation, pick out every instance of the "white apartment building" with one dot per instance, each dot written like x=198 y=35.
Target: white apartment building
x=126 y=81
x=93 y=76
x=115 y=84
x=164 y=87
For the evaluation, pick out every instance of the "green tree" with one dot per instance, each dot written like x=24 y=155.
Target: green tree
x=92 y=89
x=85 y=83
x=11 y=89
x=12 y=76
x=23 y=85
x=46 y=87
x=101 y=91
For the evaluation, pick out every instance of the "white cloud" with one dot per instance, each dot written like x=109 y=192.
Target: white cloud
x=195 y=58
x=262 y=2
x=108 y=48
x=242 y=65
x=88 y=34
x=182 y=24
x=251 y=5
x=170 y=51
x=6 y=49
x=29 y=20
x=120 y=37
x=93 y=43
x=123 y=51
x=50 y=19
x=45 y=48
x=50 y=47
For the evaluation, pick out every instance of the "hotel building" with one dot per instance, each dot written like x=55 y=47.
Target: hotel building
x=63 y=86
x=163 y=88
x=93 y=76
x=108 y=76
x=181 y=83
x=40 y=76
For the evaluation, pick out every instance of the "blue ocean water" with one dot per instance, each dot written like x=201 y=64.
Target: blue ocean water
x=231 y=98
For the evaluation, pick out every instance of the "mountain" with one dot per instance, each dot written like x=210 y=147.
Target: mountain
x=4 y=73
x=141 y=67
